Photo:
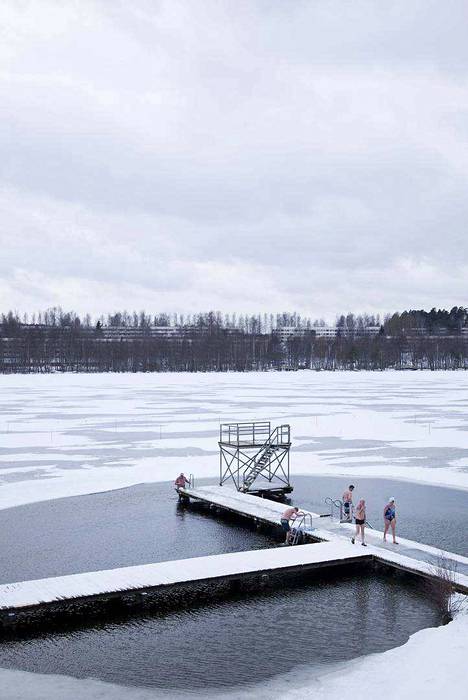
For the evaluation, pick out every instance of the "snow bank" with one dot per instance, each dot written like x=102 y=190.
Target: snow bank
x=431 y=665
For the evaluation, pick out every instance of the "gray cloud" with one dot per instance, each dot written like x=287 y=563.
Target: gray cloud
x=245 y=156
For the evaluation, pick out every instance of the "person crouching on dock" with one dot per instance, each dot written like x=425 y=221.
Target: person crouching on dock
x=360 y=520
x=180 y=482
x=289 y=514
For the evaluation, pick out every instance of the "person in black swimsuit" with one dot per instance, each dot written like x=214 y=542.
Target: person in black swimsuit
x=360 y=520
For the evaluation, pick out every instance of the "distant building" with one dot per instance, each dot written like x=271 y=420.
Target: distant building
x=367 y=330
x=333 y=331
x=286 y=332
x=129 y=333
x=326 y=331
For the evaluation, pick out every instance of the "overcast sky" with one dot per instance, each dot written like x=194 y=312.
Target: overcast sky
x=245 y=156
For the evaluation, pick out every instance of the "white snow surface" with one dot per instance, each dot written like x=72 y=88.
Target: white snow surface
x=26 y=593
x=75 y=434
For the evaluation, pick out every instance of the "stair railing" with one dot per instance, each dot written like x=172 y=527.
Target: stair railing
x=269 y=442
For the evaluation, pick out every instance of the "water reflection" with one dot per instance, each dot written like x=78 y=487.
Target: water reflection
x=240 y=641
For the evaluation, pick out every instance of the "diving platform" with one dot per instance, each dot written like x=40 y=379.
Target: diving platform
x=254 y=457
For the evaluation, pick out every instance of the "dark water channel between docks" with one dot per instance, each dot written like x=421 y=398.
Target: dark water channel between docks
x=212 y=645
x=137 y=525
x=243 y=640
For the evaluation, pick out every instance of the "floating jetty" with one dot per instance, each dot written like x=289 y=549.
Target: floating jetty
x=26 y=602
x=408 y=555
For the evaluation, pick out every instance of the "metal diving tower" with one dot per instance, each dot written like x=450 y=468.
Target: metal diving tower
x=256 y=457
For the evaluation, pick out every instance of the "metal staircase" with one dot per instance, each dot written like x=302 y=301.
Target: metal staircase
x=260 y=463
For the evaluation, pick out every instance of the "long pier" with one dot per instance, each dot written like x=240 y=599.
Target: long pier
x=25 y=602
x=408 y=555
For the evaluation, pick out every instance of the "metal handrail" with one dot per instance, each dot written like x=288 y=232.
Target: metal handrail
x=232 y=433
x=278 y=432
x=299 y=525
x=335 y=503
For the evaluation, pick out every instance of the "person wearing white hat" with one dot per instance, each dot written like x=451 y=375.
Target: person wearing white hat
x=389 y=515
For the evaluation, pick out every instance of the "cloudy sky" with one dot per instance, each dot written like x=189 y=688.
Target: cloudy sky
x=241 y=155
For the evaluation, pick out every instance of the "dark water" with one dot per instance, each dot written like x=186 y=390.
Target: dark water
x=429 y=514
x=236 y=642
x=138 y=525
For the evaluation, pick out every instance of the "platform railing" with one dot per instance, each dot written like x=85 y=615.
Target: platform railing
x=253 y=433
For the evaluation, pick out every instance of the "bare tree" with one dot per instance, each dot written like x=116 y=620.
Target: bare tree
x=442 y=587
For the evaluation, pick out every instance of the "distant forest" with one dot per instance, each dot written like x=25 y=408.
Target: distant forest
x=57 y=340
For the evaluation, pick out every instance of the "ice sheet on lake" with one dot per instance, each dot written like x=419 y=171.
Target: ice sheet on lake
x=99 y=432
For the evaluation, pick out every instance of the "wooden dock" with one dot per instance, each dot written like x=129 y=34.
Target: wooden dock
x=26 y=601
x=408 y=555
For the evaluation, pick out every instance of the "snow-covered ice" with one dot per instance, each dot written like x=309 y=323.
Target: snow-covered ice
x=75 y=434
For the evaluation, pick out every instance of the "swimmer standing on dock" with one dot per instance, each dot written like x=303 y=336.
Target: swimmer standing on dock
x=389 y=515
x=360 y=520
x=348 y=502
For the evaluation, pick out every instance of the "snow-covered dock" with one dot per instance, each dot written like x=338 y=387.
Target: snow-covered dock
x=59 y=592
x=414 y=557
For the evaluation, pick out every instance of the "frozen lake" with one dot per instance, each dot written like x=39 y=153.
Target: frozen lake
x=74 y=434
